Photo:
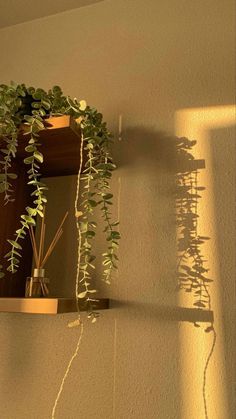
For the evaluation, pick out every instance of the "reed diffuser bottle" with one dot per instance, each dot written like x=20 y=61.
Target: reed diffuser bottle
x=37 y=285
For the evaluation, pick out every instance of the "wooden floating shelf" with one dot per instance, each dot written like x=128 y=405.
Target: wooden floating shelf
x=47 y=305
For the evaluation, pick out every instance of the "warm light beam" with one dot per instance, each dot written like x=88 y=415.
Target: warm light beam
x=195 y=344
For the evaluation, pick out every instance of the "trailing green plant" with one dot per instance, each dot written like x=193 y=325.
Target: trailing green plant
x=27 y=108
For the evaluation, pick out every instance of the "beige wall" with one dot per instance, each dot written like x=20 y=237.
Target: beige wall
x=144 y=60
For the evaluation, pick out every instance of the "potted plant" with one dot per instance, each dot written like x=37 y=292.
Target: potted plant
x=27 y=108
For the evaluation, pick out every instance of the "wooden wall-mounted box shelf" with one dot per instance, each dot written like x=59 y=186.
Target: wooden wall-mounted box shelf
x=60 y=145
x=61 y=142
x=47 y=305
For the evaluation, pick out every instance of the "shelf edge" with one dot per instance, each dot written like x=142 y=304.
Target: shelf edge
x=46 y=305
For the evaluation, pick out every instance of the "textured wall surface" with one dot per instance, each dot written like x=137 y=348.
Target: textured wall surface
x=144 y=60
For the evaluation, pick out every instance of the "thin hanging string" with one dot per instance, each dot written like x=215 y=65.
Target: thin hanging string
x=120 y=138
x=205 y=372
x=118 y=216
x=119 y=198
x=120 y=128
x=115 y=322
x=211 y=327
x=68 y=370
x=77 y=214
x=78 y=321
x=115 y=370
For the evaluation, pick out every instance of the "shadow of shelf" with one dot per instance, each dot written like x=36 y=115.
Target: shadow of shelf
x=192 y=315
x=47 y=305
x=164 y=312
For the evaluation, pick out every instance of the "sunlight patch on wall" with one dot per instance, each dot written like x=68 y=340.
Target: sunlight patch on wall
x=195 y=344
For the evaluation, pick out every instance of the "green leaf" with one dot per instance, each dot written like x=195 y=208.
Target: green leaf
x=39 y=124
x=15 y=244
x=35 y=105
x=28 y=118
x=11 y=269
x=38 y=156
x=90 y=233
x=115 y=235
x=40 y=213
x=31 y=211
x=57 y=90
x=31 y=90
x=30 y=148
x=13 y=251
x=107 y=196
x=28 y=219
x=42 y=112
x=12 y=175
x=92 y=203
x=29 y=160
x=46 y=104
x=92 y=224
x=33 y=182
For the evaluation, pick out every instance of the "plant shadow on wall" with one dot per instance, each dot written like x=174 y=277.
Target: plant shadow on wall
x=192 y=271
x=156 y=207
x=165 y=192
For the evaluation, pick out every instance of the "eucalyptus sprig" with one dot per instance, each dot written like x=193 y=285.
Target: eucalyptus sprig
x=87 y=230
x=101 y=165
x=10 y=103
x=35 y=125
x=110 y=257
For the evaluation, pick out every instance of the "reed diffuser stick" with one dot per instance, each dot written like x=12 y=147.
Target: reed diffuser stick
x=43 y=239
x=63 y=220
x=35 y=252
x=51 y=247
x=55 y=239
x=39 y=257
x=42 y=232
